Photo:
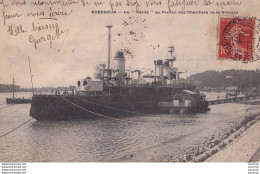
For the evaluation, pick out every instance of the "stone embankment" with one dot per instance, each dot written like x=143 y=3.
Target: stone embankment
x=223 y=140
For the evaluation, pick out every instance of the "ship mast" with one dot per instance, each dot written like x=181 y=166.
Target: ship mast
x=13 y=86
x=109 y=46
x=31 y=75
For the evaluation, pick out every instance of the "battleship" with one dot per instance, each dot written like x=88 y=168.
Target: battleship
x=115 y=93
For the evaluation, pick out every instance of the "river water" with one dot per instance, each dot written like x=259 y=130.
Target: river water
x=105 y=140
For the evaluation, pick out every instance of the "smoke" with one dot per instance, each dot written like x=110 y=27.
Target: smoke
x=132 y=31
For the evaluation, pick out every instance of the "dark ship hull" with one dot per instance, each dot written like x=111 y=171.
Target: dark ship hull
x=113 y=102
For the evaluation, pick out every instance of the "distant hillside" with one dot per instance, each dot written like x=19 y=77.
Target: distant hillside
x=4 y=88
x=241 y=78
x=213 y=79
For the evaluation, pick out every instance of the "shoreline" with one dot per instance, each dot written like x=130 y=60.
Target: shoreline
x=201 y=152
x=245 y=148
x=239 y=144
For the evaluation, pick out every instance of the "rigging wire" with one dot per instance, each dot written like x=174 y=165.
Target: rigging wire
x=27 y=120
x=15 y=128
x=102 y=51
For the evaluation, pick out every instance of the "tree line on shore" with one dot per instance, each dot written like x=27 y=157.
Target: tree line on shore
x=242 y=79
x=7 y=88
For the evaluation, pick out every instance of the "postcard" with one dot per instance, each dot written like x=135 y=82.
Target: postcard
x=129 y=81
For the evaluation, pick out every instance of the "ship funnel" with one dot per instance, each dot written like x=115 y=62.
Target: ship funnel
x=158 y=67
x=119 y=68
x=119 y=63
x=172 y=58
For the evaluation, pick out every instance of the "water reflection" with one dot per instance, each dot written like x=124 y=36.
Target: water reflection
x=110 y=140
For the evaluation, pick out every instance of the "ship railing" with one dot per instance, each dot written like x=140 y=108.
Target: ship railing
x=54 y=92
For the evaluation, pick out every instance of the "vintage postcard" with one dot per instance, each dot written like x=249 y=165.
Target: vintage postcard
x=129 y=81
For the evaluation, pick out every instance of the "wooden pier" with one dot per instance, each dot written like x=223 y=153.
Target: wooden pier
x=230 y=100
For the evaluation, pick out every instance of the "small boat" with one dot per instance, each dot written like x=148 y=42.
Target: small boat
x=17 y=100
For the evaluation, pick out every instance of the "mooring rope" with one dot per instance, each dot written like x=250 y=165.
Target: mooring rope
x=27 y=120
x=122 y=110
x=111 y=118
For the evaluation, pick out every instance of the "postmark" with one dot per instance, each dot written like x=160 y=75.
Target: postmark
x=237 y=38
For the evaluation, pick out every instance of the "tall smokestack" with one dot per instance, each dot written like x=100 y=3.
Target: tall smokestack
x=109 y=45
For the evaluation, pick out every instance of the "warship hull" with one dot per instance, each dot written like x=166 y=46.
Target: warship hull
x=113 y=102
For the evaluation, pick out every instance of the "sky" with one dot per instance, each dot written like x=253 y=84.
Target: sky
x=82 y=42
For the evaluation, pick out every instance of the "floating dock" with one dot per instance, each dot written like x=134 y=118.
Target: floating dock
x=231 y=100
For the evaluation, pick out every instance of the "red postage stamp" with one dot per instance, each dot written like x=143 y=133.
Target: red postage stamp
x=236 y=39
